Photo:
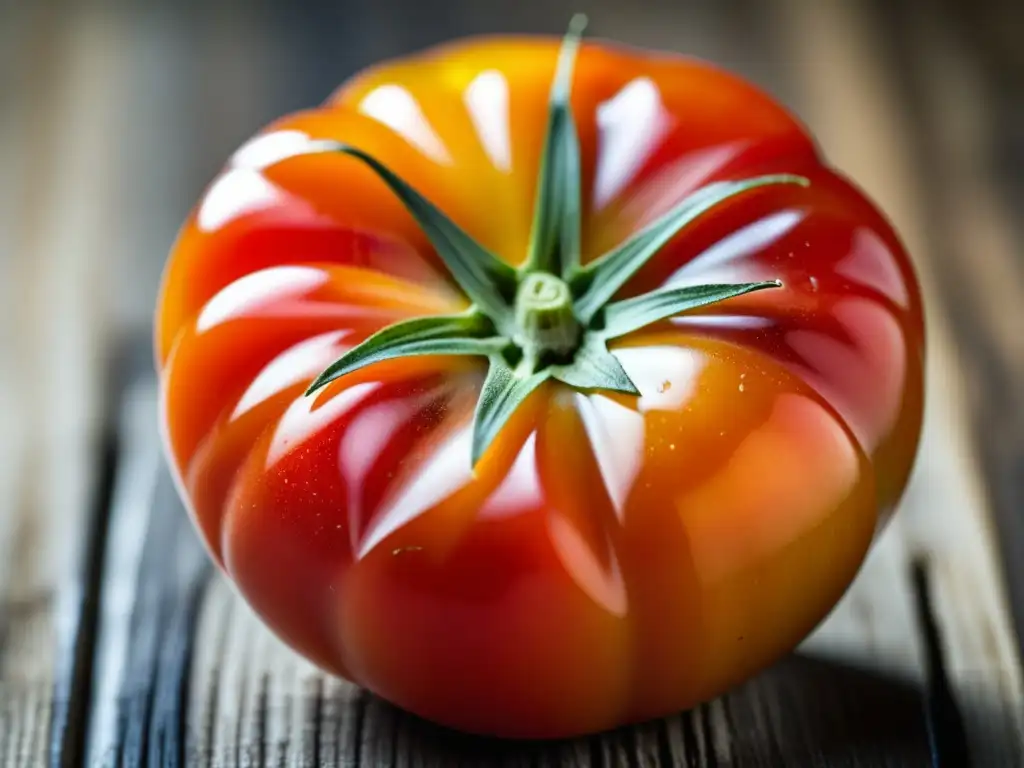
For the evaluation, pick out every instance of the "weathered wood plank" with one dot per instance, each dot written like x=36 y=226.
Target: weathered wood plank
x=60 y=133
x=24 y=673
x=807 y=708
x=149 y=590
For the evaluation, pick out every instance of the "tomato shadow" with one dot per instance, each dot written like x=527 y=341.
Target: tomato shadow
x=804 y=710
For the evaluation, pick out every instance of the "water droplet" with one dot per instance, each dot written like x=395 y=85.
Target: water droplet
x=401 y=550
x=671 y=446
x=814 y=283
x=741 y=386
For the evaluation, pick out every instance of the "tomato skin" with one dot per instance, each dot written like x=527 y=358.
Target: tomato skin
x=611 y=559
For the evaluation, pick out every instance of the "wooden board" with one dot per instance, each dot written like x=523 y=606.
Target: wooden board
x=55 y=199
x=118 y=643
x=251 y=701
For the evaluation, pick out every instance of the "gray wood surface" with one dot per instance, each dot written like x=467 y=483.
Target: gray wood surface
x=119 y=645
x=56 y=197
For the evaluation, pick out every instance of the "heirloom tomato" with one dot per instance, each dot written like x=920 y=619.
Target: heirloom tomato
x=539 y=386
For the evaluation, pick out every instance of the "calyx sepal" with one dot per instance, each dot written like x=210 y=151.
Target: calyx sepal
x=551 y=318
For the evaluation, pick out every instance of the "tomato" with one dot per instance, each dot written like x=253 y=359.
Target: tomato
x=539 y=387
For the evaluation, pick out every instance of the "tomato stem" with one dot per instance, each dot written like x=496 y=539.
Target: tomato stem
x=559 y=314
x=545 y=320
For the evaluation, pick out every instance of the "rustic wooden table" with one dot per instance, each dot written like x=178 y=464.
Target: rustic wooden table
x=119 y=645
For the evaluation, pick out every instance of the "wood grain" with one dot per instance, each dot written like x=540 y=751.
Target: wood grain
x=250 y=701
x=55 y=336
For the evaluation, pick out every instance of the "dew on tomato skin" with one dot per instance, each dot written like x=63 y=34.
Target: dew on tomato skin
x=402 y=550
x=647 y=366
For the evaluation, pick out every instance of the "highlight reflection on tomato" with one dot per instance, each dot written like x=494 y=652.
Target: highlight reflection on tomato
x=640 y=405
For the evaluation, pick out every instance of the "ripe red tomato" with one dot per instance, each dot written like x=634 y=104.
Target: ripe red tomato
x=601 y=538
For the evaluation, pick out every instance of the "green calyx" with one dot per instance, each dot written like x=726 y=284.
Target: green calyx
x=545 y=321
x=551 y=318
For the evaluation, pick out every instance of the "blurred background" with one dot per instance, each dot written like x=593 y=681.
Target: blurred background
x=115 y=115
